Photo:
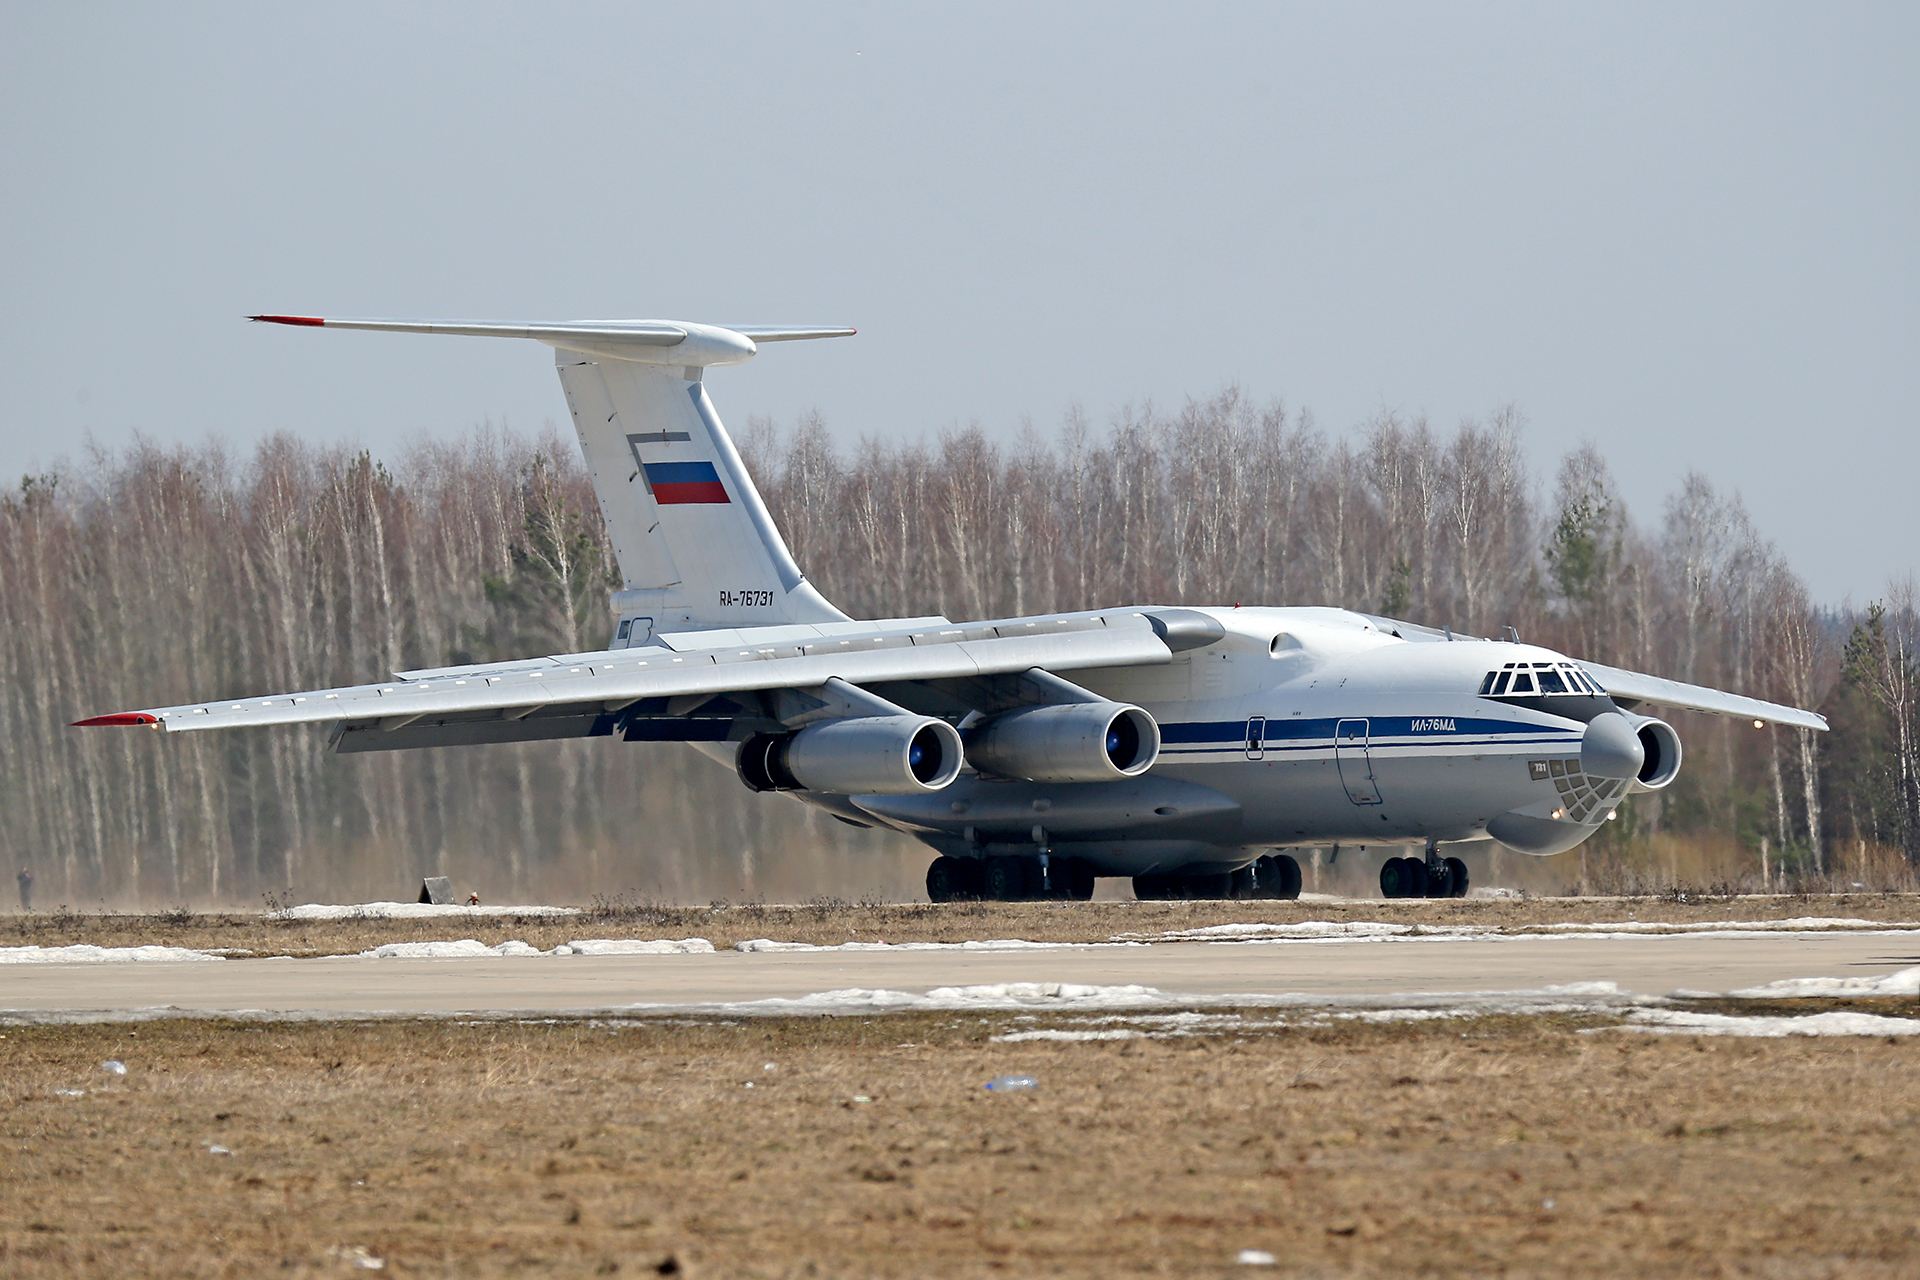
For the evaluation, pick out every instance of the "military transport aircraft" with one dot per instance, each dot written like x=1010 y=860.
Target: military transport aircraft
x=1187 y=748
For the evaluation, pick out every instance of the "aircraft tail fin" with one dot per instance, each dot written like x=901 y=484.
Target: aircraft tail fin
x=696 y=545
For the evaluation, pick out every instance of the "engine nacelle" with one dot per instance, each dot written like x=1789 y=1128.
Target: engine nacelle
x=1066 y=742
x=871 y=755
x=1662 y=747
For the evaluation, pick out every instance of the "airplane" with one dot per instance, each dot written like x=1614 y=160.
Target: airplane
x=1186 y=748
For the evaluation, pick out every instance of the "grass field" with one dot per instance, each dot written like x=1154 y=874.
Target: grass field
x=1544 y=1145
x=831 y=921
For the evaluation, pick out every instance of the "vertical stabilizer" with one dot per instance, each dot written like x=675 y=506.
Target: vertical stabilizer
x=696 y=546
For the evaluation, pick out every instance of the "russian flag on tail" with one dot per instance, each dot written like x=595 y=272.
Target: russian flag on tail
x=673 y=483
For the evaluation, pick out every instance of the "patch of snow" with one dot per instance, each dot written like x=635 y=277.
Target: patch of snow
x=1255 y=1258
x=1904 y=983
x=1305 y=929
x=1683 y=1022
x=82 y=953
x=1056 y=1033
x=472 y=949
x=408 y=911
x=996 y=995
x=464 y=949
x=635 y=947
x=1798 y=924
x=987 y=944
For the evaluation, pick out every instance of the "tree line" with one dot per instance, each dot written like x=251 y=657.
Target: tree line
x=152 y=575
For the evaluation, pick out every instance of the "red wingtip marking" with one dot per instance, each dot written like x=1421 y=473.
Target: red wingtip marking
x=315 y=321
x=117 y=718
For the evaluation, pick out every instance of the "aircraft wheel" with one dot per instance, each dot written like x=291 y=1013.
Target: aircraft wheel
x=1150 y=888
x=946 y=880
x=1393 y=875
x=1244 y=883
x=1290 y=878
x=1007 y=880
x=1459 y=870
x=1439 y=879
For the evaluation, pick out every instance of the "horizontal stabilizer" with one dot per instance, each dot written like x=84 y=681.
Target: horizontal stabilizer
x=672 y=342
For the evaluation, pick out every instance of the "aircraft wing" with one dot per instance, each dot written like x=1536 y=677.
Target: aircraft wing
x=600 y=684
x=1635 y=686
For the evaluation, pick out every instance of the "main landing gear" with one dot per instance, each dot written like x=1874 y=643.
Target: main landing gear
x=1430 y=877
x=1001 y=879
x=1274 y=876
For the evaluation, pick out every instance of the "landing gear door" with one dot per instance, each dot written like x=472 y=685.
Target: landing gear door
x=1354 y=762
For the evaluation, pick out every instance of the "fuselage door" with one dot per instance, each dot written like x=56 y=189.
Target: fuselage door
x=1256 y=738
x=1355 y=764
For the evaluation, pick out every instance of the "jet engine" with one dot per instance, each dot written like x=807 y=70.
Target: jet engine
x=869 y=755
x=1642 y=750
x=1066 y=742
x=1662 y=747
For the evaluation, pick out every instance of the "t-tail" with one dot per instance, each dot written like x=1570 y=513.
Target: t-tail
x=696 y=546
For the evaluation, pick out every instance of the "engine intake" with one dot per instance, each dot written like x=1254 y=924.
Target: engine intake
x=1069 y=742
x=1662 y=747
x=870 y=755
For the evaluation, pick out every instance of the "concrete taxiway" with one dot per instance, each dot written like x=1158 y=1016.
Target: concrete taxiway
x=349 y=986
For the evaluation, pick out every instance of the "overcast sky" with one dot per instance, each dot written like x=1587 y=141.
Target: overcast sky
x=1685 y=232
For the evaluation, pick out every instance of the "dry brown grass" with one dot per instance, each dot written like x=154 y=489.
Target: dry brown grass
x=836 y=921
x=1494 y=1145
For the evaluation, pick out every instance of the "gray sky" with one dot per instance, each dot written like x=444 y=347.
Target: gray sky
x=1687 y=233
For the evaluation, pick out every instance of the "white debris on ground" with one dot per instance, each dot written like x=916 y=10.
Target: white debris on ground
x=82 y=953
x=1580 y=997
x=1321 y=931
x=1062 y=1033
x=1069 y=997
x=1904 y=983
x=634 y=947
x=1797 y=924
x=410 y=911
x=988 y=944
x=1304 y=930
x=473 y=949
x=464 y=949
x=1684 y=1022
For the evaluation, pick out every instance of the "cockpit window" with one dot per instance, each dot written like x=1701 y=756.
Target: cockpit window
x=1540 y=679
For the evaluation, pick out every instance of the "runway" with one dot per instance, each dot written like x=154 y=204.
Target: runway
x=355 y=986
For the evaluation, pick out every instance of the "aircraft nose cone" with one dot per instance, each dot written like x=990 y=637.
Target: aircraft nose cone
x=1611 y=747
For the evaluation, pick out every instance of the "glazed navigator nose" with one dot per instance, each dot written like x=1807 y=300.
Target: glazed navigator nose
x=1611 y=747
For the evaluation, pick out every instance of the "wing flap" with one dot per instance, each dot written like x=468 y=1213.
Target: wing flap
x=1637 y=686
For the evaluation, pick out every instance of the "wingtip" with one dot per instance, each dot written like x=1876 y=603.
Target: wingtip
x=117 y=718
x=311 y=321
